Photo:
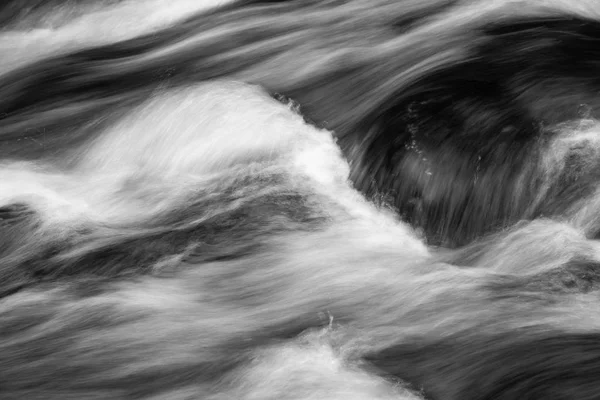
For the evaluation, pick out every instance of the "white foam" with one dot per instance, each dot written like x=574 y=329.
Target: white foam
x=178 y=143
x=95 y=27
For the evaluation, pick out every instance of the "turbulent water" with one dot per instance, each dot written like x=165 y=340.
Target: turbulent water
x=295 y=200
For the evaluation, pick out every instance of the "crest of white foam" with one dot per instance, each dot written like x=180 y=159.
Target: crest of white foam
x=179 y=142
x=317 y=156
x=318 y=371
